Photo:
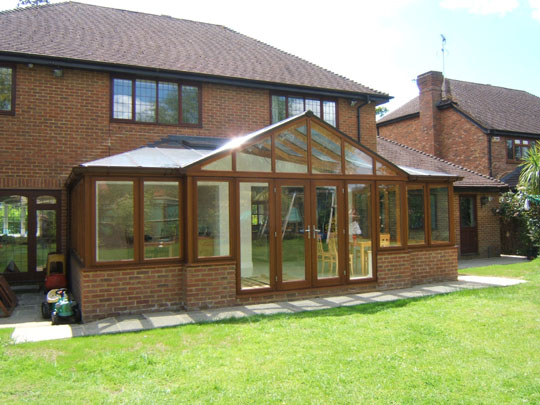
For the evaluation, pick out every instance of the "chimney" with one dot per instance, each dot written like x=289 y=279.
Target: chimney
x=430 y=85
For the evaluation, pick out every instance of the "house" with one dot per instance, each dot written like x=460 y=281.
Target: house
x=484 y=128
x=183 y=165
x=476 y=196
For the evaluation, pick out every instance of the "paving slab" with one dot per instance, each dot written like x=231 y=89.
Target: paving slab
x=37 y=329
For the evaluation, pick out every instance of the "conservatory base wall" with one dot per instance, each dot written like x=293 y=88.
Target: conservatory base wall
x=132 y=290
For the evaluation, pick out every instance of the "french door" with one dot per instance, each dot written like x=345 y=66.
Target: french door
x=309 y=233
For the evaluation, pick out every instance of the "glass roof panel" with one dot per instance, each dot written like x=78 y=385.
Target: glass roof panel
x=356 y=161
x=223 y=164
x=256 y=157
x=325 y=151
x=384 y=170
x=291 y=150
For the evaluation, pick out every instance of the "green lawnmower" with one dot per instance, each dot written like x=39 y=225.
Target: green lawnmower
x=60 y=307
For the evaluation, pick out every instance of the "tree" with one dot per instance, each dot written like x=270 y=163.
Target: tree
x=529 y=179
x=380 y=111
x=31 y=3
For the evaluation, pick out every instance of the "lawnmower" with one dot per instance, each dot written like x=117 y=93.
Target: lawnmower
x=60 y=307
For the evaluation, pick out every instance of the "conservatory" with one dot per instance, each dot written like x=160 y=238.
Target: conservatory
x=295 y=210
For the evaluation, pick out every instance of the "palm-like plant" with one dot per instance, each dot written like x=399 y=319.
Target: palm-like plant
x=529 y=179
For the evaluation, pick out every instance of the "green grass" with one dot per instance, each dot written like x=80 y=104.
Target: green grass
x=470 y=347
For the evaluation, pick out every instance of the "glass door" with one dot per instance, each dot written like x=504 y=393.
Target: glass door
x=327 y=236
x=294 y=232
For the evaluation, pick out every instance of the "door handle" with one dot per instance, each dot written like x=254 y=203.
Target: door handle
x=308 y=232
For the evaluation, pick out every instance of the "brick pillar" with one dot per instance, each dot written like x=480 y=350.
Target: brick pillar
x=430 y=86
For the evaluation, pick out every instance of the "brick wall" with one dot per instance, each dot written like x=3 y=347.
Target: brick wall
x=209 y=286
x=429 y=266
x=406 y=132
x=117 y=291
x=393 y=270
x=501 y=166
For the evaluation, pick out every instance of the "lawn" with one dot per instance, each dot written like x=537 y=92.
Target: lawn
x=480 y=346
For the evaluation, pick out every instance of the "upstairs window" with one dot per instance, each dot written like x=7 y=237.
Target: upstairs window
x=150 y=101
x=7 y=90
x=517 y=149
x=287 y=106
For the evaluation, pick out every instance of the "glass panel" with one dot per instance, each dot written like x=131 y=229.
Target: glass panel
x=255 y=158
x=145 y=100
x=389 y=215
x=14 y=235
x=329 y=111
x=190 y=105
x=46 y=199
x=161 y=225
x=213 y=218
x=45 y=236
x=356 y=161
x=359 y=224
x=114 y=220
x=296 y=106
x=416 y=215
x=279 y=108
x=383 y=170
x=314 y=106
x=223 y=164
x=6 y=83
x=325 y=151
x=254 y=236
x=293 y=248
x=510 y=149
x=122 y=99
x=466 y=212
x=168 y=103
x=440 y=223
x=327 y=233
x=291 y=151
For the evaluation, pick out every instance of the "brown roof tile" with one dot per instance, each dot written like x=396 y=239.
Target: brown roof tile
x=492 y=107
x=406 y=156
x=98 y=34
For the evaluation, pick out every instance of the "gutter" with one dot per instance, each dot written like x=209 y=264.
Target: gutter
x=358 y=121
x=167 y=74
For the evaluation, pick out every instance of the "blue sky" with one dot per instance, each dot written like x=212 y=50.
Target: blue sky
x=383 y=45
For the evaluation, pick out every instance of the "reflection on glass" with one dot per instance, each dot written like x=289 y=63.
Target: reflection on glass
x=359 y=225
x=296 y=106
x=314 y=106
x=255 y=158
x=168 y=103
x=213 y=218
x=389 y=215
x=161 y=224
x=440 y=223
x=145 y=100
x=46 y=199
x=279 y=108
x=325 y=151
x=14 y=234
x=329 y=111
x=114 y=220
x=383 y=170
x=327 y=233
x=466 y=212
x=6 y=87
x=415 y=205
x=223 y=164
x=122 y=99
x=45 y=236
x=291 y=151
x=254 y=236
x=356 y=161
x=293 y=248
x=190 y=105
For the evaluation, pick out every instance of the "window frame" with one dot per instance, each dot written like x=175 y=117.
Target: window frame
x=450 y=214
x=321 y=99
x=138 y=221
x=156 y=80
x=13 y=87
x=513 y=140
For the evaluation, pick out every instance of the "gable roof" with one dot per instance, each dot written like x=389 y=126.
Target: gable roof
x=81 y=32
x=491 y=107
x=406 y=156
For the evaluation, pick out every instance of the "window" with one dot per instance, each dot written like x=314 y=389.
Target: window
x=213 y=219
x=517 y=149
x=150 y=101
x=389 y=215
x=7 y=90
x=416 y=215
x=440 y=221
x=287 y=106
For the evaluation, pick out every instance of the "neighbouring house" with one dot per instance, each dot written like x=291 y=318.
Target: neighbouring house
x=180 y=164
x=475 y=198
x=487 y=129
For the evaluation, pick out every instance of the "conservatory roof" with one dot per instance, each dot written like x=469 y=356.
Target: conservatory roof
x=179 y=152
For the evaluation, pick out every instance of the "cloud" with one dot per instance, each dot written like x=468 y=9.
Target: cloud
x=535 y=5
x=483 y=7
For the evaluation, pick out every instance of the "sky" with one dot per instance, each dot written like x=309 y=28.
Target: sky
x=384 y=45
